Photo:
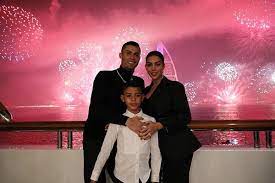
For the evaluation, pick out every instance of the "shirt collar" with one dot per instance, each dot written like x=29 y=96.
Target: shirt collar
x=130 y=114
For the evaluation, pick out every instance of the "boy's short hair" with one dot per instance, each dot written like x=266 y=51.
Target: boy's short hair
x=133 y=83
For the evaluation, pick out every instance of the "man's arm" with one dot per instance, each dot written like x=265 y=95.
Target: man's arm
x=105 y=151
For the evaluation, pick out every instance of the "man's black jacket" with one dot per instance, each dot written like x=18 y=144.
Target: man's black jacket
x=106 y=106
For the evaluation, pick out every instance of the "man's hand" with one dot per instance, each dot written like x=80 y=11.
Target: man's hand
x=148 y=129
x=134 y=124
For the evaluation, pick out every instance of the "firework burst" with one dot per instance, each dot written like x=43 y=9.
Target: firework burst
x=255 y=37
x=226 y=72
x=223 y=83
x=264 y=79
x=244 y=18
x=273 y=77
x=254 y=43
x=80 y=69
x=191 y=91
x=83 y=63
x=21 y=33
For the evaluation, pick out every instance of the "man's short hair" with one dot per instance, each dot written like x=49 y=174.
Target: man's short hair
x=132 y=43
x=137 y=83
x=156 y=53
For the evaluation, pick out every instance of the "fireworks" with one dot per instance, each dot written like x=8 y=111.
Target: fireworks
x=68 y=97
x=224 y=83
x=252 y=21
x=80 y=69
x=254 y=43
x=255 y=36
x=229 y=95
x=130 y=34
x=21 y=33
x=90 y=53
x=226 y=72
x=66 y=65
x=273 y=77
x=190 y=89
x=82 y=63
x=253 y=14
x=264 y=79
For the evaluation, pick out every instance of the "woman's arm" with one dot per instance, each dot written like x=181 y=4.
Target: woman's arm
x=178 y=112
x=179 y=115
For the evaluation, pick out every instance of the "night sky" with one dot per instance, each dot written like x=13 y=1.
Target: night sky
x=194 y=32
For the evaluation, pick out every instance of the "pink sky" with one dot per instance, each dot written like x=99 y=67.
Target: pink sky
x=192 y=30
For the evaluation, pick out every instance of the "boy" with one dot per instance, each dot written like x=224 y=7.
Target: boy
x=133 y=154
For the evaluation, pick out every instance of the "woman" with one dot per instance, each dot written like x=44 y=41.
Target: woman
x=166 y=101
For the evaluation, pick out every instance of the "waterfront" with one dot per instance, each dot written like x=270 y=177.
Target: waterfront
x=79 y=113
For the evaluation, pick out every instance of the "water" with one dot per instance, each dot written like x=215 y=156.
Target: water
x=79 y=113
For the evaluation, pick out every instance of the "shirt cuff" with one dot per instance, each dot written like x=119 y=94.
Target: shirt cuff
x=95 y=176
x=155 y=178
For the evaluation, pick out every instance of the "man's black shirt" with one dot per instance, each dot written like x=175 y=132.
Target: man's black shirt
x=106 y=105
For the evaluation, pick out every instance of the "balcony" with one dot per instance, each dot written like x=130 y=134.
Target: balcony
x=210 y=164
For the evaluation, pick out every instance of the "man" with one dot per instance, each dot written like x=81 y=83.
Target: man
x=106 y=107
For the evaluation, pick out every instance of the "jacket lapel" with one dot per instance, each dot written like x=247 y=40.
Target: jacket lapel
x=161 y=86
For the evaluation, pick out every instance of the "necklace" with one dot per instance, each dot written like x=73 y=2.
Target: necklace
x=124 y=81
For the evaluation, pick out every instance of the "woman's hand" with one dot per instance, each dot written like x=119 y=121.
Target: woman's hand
x=148 y=129
x=135 y=124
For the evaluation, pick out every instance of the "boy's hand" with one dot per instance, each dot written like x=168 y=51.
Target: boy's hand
x=134 y=124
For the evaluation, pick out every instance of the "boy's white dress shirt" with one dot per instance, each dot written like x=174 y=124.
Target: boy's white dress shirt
x=133 y=154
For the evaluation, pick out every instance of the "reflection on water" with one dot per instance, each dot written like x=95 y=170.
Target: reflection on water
x=232 y=112
x=79 y=113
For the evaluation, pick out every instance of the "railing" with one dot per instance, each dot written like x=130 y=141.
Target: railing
x=58 y=126
x=239 y=125
x=196 y=125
